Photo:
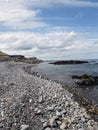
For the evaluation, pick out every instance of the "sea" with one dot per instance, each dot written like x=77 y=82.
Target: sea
x=63 y=74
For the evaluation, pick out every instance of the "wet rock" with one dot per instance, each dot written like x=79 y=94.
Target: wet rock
x=86 y=79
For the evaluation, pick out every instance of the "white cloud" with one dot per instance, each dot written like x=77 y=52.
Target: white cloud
x=46 y=46
x=25 y=14
x=15 y=14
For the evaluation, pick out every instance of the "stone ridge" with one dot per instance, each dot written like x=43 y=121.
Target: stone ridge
x=28 y=102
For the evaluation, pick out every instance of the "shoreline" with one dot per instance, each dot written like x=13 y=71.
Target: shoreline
x=35 y=103
x=90 y=106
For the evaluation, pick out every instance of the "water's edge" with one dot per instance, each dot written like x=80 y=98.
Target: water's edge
x=90 y=106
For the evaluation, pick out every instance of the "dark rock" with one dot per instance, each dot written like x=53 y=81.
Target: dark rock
x=68 y=62
x=86 y=79
x=75 y=77
x=18 y=56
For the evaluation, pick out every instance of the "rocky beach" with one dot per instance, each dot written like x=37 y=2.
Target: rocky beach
x=29 y=102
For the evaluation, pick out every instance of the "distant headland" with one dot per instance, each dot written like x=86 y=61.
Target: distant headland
x=63 y=62
x=18 y=58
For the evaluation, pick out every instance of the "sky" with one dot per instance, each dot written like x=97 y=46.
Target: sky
x=49 y=29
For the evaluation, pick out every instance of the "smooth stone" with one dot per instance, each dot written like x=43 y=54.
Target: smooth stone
x=63 y=112
x=42 y=120
x=40 y=99
x=25 y=127
x=82 y=119
x=81 y=129
x=30 y=100
x=58 y=113
x=59 y=122
x=87 y=116
x=50 y=108
x=36 y=109
x=45 y=124
x=63 y=126
x=39 y=112
x=52 y=120
x=47 y=128
x=96 y=127
x=1 y=125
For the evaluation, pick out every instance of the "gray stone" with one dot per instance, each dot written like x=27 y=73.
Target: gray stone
x=59 y=122
x=47 y=128
x=25 y=127
x=63 y=112
x=40 y=99
x=39 y=112
x=45 y=124
x=81 y=129
x=63 y=126
x=50 y=108
x=58 y=113
x=52 y=120
x=42 y=120
x=1 y=125
x=82 y=119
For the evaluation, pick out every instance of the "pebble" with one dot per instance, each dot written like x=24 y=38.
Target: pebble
x=25 y=127
x=82 y=119
x=45 y=124
x=52 y=120
x=58 y=113
x=39 y=112
x=63 y=126
x=1 y=125
x=50 y=108
x=48 y=128
x=63 y=112
x=58 y=122
x=40 y=99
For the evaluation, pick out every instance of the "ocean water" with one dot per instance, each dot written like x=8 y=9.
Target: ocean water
x=63 y=74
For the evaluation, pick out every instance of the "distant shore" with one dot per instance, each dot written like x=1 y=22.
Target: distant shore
x=64 y=62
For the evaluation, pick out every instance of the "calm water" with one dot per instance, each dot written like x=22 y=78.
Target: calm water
x=63 y=73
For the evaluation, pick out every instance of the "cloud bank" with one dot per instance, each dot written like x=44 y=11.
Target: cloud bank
x=53 y=45
x=20 y=17
x=16 y=15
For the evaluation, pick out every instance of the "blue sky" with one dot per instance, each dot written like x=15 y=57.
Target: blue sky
x=48 y=29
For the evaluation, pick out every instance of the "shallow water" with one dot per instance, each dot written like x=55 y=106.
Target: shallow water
x=63 y=73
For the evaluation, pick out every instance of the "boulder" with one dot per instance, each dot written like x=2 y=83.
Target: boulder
x=86 y=79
